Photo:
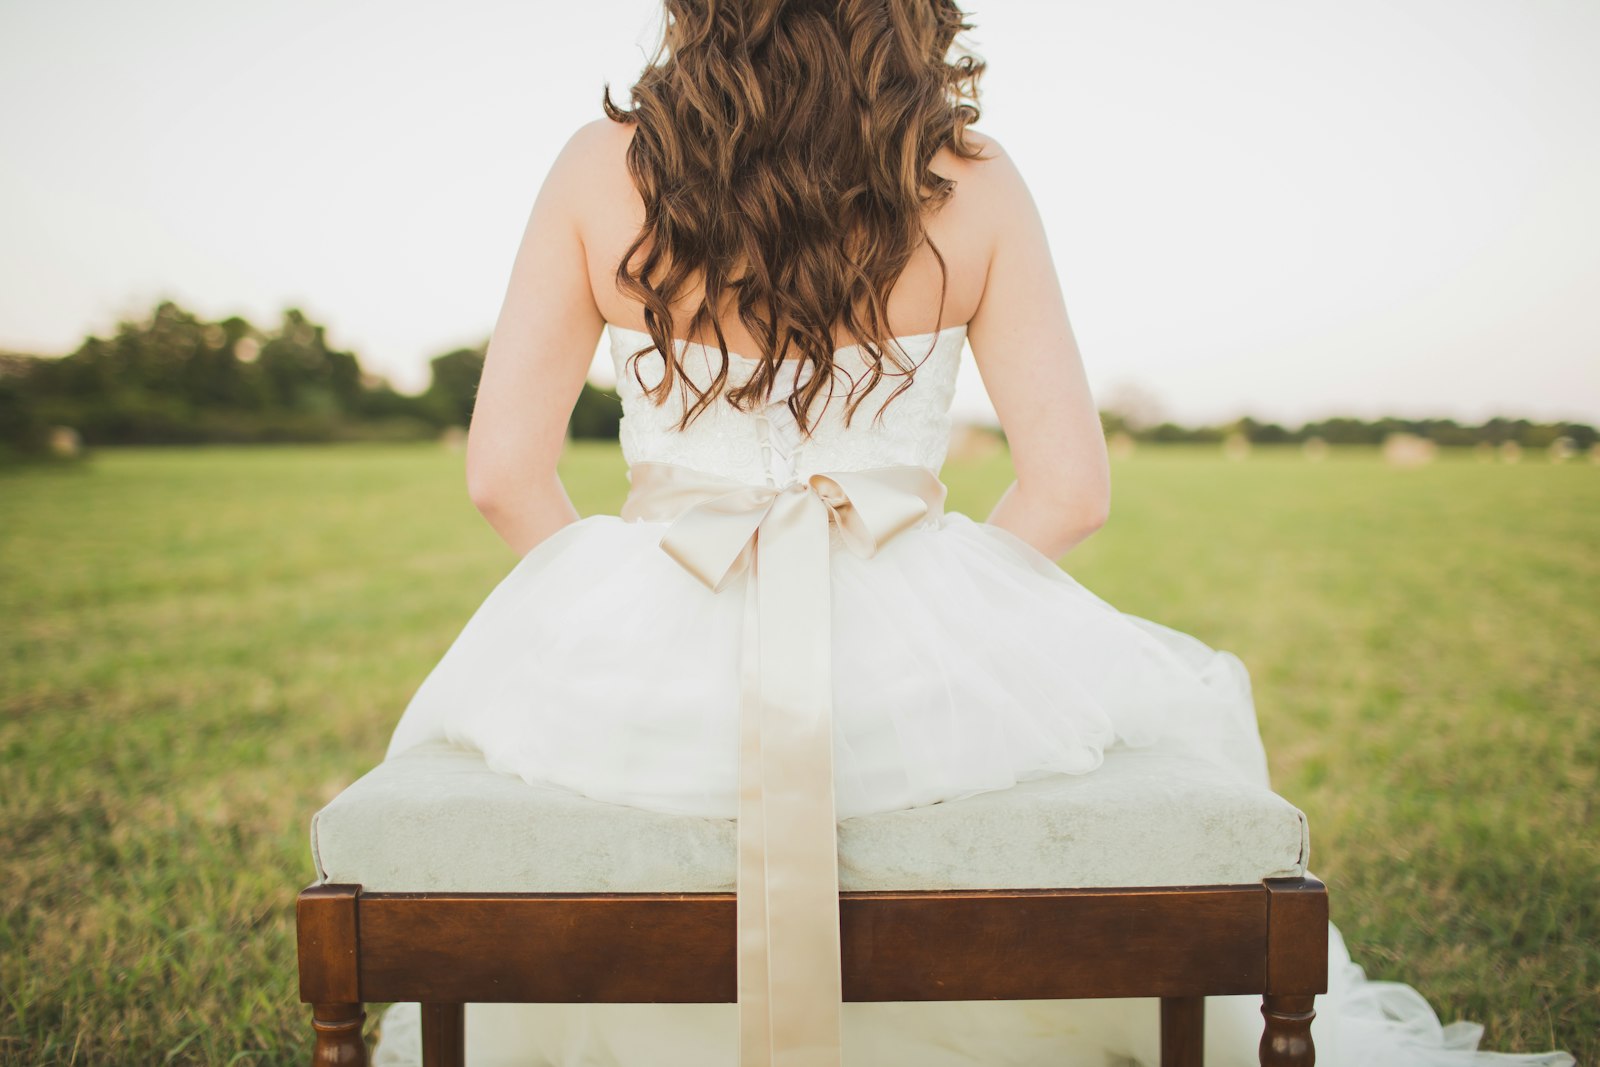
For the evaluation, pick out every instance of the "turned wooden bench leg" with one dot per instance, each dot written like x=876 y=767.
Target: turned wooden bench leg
x=325 y=921
x=1286 y=1041
x=1183 y=1031
x=339 y=1042
x=444 y=1035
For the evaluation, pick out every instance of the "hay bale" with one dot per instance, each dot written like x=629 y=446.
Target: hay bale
x=64 y=442
x=972 y=441
x=1408 y=450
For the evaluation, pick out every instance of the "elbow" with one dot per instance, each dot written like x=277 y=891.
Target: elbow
x=1087 y=516
x=1072 y=496
x=1078 y=515
x=1094 y=515
x=491 y=473
x=1091 y=500
x=486 y=503
x=500 y=492
x=486 y=491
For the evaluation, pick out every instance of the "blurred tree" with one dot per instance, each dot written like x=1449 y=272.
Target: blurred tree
x=1343 y=431
x=1583 y=436
x=453 y=391
x=175 y=378
x=21 y=427
x=597 y=413
x=303 y=374
x=453 y=384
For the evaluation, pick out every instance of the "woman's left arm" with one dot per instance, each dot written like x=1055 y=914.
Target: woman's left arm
x=538 y=357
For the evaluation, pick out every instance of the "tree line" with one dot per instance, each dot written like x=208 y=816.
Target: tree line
x=176 y=378
x=1349 y=431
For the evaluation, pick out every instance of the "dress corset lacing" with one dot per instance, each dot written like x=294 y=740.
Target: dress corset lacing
x=779 y=434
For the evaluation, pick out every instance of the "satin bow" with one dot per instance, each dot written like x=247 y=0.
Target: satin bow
x=789 y=981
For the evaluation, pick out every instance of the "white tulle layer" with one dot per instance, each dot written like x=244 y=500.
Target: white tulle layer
x=963 y=661
x=1359 y=1023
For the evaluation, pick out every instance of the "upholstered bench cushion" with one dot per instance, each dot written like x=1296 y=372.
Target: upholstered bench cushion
x=435 y=818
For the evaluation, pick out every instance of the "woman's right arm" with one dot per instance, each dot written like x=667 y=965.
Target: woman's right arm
x=539 y=354
x=1028 y=359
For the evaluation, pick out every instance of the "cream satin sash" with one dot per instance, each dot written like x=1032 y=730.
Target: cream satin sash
x=789 y=983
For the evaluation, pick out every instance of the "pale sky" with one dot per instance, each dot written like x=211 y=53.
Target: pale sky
x=1260 y=207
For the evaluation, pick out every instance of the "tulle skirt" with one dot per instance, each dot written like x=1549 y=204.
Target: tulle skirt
x=963 y=661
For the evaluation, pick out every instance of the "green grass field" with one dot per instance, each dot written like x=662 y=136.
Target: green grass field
x=201 y=647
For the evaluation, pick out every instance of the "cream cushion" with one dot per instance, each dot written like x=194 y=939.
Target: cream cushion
x=435 y=818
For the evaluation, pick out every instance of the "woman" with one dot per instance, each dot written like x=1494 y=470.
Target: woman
x=789 y=238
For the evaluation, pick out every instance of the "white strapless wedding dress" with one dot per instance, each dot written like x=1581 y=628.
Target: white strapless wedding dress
x=963 y=661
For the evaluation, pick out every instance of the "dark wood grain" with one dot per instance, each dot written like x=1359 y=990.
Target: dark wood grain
x=327 y=936
x=1286 y=1040
x=1297 y=911
x=1180 y=943
x=969 y=945
x=668 y=948
x=1053 y=944
x=444 y=1035
x=338 y=1040
x=1183 y=1031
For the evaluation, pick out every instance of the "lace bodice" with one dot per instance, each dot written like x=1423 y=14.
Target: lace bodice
x=765 y=445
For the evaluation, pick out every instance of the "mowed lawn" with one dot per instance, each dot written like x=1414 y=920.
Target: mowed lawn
x=201 y=647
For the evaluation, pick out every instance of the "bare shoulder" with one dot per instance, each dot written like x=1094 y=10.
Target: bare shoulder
x=602 y=138
x=973 y=173
x=594 y=155
x=990 y=204
x=588 y=186
x=988 y=185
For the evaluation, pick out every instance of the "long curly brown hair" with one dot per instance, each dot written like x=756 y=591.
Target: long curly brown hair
x=782 y=149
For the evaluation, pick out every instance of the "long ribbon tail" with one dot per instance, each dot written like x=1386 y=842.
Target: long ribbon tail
x=790 y=987
x=791 y=701
x=755 y=1021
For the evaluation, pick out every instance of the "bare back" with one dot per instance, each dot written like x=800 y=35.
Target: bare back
x=1002 y=285
x=613 y=215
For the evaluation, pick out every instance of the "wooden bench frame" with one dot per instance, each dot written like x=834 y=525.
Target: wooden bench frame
x=1179 y=943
